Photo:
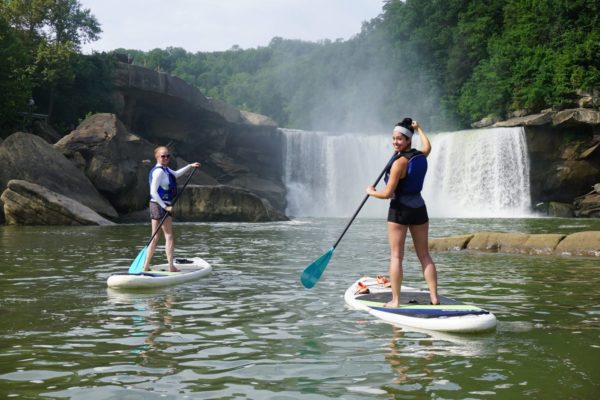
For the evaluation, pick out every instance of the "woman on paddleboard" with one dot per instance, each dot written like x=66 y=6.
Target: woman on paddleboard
x=404 y=181
x=163 y=189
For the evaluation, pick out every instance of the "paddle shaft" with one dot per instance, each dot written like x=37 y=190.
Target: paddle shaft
x=364 y=201
x=162 y=220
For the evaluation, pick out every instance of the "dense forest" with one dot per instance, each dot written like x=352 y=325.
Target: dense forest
x=445 y=62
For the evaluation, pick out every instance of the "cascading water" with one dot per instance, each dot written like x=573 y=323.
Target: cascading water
x=480 y=173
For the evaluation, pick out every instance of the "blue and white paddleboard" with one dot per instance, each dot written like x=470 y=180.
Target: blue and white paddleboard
x=158 y=276
x=415 y=311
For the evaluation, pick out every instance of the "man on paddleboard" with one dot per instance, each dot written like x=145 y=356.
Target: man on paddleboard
x=404 y=181
x=163 y=189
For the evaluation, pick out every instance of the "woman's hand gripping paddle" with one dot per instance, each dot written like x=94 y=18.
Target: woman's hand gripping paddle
x=138 y=264
x=313 y=272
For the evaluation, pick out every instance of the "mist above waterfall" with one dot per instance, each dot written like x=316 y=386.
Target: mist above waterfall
x=472 y=174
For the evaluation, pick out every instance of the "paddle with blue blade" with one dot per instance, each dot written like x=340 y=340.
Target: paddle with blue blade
x=138 y=264
x=313 y=272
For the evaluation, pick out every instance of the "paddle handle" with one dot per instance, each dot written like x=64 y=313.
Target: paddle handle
x=162 y=220
x=365 y=200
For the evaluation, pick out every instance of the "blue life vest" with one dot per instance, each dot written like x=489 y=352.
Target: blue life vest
x=412 y=183
x=167 y=195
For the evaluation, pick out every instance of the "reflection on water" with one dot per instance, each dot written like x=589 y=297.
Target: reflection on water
x=249 y=330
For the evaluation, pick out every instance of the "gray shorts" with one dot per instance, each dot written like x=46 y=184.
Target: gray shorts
x=156 y=211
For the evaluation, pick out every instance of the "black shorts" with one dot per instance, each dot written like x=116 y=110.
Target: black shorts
x=156 y=211
x=401 y=214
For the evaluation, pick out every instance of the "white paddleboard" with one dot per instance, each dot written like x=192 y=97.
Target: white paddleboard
x=415 y=310
x=159 y=275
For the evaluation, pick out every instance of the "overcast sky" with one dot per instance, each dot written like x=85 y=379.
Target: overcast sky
x=213 y=25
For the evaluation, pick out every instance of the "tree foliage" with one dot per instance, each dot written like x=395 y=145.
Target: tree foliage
x=445 y=62
x=48 y=35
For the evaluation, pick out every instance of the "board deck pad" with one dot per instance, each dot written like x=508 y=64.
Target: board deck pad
x=421 y=298
x=416 y=304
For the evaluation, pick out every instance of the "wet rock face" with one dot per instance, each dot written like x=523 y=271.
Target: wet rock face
x=588 y=205
x=27 y=203
x=564 y=161
x=116 y=161
x=223 y=203
x=30 y=158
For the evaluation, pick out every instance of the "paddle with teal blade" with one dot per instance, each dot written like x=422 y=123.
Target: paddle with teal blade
x=138 y=264
x=311 y=274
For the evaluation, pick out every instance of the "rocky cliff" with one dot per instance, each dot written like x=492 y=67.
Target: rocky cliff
x=564 y=151
x=235 y=147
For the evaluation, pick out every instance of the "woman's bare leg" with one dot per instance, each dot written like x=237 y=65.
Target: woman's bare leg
x=167 y=229
x=151 y=246
x=420 y=236
x=396 y=238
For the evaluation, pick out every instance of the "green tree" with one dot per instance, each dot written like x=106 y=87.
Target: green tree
x=53 y=31
x=14 y=83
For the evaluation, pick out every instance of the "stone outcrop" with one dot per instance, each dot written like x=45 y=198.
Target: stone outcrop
x=588 y=205
x=543 y=118
x=30 y=158
x=491 y=241
x=585 y=244
x=564 y=118
x=115 y=161
x=223 y=203
x=576 y=117
x=453 y=243
x=27 y=203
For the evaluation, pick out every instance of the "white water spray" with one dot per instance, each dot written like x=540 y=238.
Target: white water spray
x=481 y=173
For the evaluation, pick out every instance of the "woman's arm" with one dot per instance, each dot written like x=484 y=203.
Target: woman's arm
x=183 y=170
x=397 y=172
x=425 y=143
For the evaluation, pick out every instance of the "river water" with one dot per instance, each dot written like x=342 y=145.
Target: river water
x=251 y=331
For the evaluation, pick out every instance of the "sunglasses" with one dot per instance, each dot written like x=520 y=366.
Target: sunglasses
x=165 y=156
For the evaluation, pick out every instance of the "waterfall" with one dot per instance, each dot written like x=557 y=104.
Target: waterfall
x=481 y=173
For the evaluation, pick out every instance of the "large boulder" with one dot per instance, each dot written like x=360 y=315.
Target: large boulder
x=267 y=189
x=116 y=161
x=576 y=117
x=498 y=242
x=585 y=244
x=452 y=243
x=543 y=118
x=223 y=203
x=27 y=203
x=588 y=205
x=30 y=158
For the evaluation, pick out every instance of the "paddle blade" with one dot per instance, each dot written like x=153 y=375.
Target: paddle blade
x=313 y=272
x=138 y=264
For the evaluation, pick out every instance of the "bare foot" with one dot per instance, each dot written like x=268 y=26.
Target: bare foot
x=434 y=301
x=391 y=304
x=173 y=269
x=146 y=269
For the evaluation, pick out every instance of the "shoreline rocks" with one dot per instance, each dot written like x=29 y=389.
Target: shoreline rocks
x=27 y=203
x=30 y=158
x=580 y=244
